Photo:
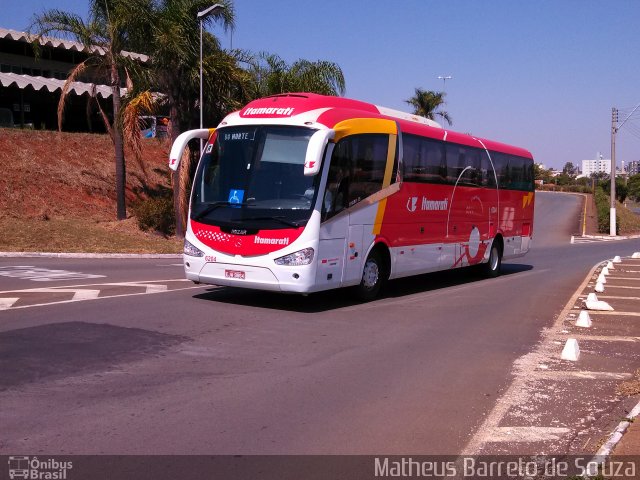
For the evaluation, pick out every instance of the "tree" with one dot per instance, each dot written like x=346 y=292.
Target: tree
x=272 y=76
x=427 y=103
x=172 y=42
x=104 y=36
x=621 y=189
x=542 y=174
x=633 y=186
x=570 y=169
x=599 y=176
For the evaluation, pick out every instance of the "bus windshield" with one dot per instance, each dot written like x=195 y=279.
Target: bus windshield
x=254 y=176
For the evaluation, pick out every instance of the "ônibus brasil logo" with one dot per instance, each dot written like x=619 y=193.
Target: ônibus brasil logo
x=34 y=468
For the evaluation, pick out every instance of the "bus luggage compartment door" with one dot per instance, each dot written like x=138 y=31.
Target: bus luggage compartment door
x=353 y=256
x=330 y=260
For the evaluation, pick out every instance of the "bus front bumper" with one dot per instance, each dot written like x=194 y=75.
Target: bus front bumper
x=249 y=276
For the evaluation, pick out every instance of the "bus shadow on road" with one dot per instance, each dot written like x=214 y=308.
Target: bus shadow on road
x=345 y=297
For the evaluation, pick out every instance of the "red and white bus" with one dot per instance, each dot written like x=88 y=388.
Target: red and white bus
x=303 y=193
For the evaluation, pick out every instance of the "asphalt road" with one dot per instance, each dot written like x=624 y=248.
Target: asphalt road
x=201 y=370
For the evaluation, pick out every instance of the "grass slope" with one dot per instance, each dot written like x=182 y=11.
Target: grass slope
x=57 y=193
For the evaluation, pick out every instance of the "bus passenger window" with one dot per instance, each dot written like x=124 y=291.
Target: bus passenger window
x=423 y=160
x=488 y=177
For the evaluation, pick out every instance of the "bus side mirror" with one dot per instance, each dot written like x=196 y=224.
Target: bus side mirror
x=315 y=150
x=181 y=142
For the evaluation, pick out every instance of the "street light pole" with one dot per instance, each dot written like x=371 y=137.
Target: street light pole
x=201 y=16
x=444 y=79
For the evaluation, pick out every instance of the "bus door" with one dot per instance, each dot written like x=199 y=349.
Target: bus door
x=358 y=182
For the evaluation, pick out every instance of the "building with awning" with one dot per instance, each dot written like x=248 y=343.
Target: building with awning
x=30 y=86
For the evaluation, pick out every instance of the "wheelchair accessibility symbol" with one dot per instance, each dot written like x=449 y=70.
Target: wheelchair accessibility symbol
x=236 y=196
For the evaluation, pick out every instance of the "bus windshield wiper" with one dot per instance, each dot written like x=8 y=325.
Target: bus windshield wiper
x=210 y=207
x=280 y=219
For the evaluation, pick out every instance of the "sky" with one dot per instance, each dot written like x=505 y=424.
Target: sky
x=542 y=75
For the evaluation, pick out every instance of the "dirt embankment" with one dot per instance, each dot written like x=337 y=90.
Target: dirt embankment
x=72 y=175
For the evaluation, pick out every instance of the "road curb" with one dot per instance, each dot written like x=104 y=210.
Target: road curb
x=88 y=255
x=619 y=237
x=617 y=435
x=604 y=237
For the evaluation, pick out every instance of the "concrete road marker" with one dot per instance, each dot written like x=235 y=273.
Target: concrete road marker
x=601 y=278
x=610 y=265
x=599 y=287
x=617 y=259
x=6 y=303
x=605 y=271
x=571 y=350
x=635 y=255
x=592 y=303
x=584 y=320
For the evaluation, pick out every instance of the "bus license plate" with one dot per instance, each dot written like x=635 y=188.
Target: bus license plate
x=234 y=274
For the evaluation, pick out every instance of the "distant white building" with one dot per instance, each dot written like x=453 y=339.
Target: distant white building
x=633 y=168
x=589 y=167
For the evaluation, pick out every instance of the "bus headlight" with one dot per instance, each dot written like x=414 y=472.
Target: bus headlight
x=192 y=250
x=301 y=257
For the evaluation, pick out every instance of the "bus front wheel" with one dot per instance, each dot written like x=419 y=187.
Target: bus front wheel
x=492 y=267
x=374 y=276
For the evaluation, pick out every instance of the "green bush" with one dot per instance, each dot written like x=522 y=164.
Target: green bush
x=603 y=206
x=156 y=214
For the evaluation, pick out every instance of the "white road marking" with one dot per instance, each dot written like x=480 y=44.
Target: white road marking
x=37 y=274
x=619 y=297
x=624 y=286
x=567 y=374
x=150 y=287
x=6 y=303
x=609 y=277
x=526 y=434
x=101 y=284
x=628 y=314
x=78 y=293
x=107 y=296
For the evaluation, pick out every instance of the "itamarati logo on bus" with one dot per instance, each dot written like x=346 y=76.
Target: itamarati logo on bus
x=269 y=111
x=271 y=241
x=426 y=204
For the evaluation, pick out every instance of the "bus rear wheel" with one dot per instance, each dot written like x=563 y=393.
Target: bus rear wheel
x=374 y=276
x=491 y=269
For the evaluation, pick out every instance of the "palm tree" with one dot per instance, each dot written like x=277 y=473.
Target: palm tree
x=104 y=35
x=173 y=44
x=272 y=75
x=426 y=104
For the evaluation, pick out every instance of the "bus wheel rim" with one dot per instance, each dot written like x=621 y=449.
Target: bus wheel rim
x=494 y=258
x=371 y=274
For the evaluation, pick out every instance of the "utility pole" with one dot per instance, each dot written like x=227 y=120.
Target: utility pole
x=615 y=128
x=612 y=210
